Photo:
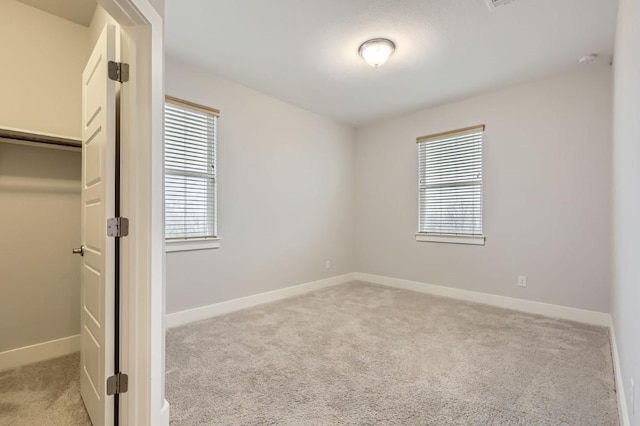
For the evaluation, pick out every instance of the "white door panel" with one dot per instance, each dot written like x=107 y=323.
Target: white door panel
x=98 y=200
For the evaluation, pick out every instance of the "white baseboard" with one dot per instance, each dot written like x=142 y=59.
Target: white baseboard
x=622 y=401
x=209 y=311
x=529 y=306
x=546 y=309
x=164 y=414
x=39 y=352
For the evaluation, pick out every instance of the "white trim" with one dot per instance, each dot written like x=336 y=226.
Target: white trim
x=529 y=306
x=193 y=244
x=39 y=352
x=622 y=401
x=209 y=311
x=453 y=239
x=165 y=413
x=142 y=273
x=539 y=308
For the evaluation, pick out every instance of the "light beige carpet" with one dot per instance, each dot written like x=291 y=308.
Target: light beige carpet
x=45 y=393
x=361 y=354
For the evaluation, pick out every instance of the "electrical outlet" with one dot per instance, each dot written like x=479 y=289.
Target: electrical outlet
x=327 y=264
x=522 y=280
x=633 y=397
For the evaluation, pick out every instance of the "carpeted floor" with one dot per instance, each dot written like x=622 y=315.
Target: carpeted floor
x=357 y=354
x=45 y=393
x=361 y=354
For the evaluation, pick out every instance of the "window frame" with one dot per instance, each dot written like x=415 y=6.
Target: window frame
x=450 y=237
x=188 y=243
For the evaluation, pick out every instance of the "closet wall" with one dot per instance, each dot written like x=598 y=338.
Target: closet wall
x=39 y=81
x=39 y=187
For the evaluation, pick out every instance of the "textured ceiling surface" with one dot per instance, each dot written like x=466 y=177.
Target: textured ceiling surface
x=305 y=52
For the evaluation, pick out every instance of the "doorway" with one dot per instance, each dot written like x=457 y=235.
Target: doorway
x=59 y=179
x=37 y=109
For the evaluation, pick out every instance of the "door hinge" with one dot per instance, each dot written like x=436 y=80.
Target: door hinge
x=119 y=71
x=117 y=227
x=117 y=384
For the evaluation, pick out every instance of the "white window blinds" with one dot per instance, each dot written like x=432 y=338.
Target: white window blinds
x=190 y=170
x=450 y=183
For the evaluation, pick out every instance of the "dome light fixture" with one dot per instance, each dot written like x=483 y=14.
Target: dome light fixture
x=375 y=52
x=588 y=60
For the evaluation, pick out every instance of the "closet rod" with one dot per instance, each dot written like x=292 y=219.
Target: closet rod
x=39 y=138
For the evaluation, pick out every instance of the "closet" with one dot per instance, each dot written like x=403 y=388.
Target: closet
x=40 y=169
x=39 y=226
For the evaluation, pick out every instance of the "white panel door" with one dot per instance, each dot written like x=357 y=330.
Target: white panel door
x=98 y=201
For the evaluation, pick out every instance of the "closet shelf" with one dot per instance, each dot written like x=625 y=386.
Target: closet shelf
x=18 y=135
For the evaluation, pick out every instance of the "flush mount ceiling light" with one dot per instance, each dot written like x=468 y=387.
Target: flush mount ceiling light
x=375 y=52
x=588 y=60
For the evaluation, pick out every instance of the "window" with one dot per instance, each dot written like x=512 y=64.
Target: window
x=450 y=187
x=190 y=175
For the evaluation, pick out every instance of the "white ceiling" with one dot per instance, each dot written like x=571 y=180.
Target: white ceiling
x=305 y=52
x=78 y=11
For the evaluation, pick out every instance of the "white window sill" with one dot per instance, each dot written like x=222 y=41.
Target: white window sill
x=452 y=239
x=193 y=244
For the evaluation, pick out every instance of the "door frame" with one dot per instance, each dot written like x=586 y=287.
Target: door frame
x=142 y=285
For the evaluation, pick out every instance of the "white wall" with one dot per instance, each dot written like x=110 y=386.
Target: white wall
x=547 y=155
x=626 y=200
x=40 y=83
x=285 y=195
x=40 y=74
